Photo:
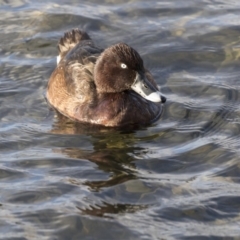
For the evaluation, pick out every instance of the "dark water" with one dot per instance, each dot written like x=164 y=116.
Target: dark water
x=176 y=179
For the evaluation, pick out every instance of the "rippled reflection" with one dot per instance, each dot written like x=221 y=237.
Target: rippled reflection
x=176 y=179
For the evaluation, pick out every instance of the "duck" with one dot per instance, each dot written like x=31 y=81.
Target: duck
x=108 y=87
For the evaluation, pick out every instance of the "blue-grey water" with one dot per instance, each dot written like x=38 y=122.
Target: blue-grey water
x=176 y=179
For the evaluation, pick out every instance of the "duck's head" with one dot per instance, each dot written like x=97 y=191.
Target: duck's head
x=120 y=68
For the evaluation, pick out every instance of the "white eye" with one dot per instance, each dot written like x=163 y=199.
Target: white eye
x=123 y=65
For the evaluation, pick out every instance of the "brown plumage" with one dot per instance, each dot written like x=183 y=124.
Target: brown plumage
x=95 y=86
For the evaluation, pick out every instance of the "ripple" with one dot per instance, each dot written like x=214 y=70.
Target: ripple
x=175 y=179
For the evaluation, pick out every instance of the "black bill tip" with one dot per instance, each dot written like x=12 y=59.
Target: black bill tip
x=163 y=99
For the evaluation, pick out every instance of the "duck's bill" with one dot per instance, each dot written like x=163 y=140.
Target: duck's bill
x=145 y=89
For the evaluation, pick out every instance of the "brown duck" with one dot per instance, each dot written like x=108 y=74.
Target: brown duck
x=107 y=87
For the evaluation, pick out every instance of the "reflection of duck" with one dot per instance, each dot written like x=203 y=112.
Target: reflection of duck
x=113 y=175
x=107 y=210
x=108 y=148
x=110 y=87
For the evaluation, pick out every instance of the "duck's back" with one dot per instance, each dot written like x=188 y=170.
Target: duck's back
x=76 y=45
x=72 y=81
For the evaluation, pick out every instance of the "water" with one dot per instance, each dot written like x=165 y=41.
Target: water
x=176 y=179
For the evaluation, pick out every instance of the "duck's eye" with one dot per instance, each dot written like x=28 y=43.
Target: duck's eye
x=123 y=65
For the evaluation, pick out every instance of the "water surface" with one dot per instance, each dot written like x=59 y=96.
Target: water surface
x=176 y=179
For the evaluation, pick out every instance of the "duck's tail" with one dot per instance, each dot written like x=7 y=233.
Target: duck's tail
x=69 y=41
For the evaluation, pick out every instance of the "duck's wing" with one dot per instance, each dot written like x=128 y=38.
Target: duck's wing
x=78 y=57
